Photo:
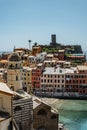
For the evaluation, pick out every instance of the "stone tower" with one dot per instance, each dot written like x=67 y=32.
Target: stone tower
x=14 y=72
x=53 y=40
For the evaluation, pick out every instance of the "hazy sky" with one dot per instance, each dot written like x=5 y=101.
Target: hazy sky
x=36 y=20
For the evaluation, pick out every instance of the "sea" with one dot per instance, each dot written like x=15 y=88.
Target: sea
x=72 y=113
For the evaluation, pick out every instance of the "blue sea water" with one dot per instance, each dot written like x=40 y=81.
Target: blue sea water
x=73 y=114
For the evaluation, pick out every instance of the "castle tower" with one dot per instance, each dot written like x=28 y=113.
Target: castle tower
x=53 y=40
x=14 y=72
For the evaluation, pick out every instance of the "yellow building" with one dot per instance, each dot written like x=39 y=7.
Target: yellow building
x=27 y=79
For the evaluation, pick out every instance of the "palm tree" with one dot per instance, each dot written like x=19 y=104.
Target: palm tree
x=29 y=43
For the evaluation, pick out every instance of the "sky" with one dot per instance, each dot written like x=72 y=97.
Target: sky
x=36 y=20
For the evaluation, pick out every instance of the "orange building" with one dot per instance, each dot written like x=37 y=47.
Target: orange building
x=36 y=74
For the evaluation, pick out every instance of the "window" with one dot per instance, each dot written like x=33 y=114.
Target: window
x=41 y=80
x=48 y=80
x=53 y=117
x=42 y=112
x=58 y=81
x=83 y=81
x=44 y=75
x=62 y=81
x=73 y=81
x=62 y=86
x=16 y=78
x=83 y=91
x=76 y=81
x=41 y=128
x=44 y=80
x=62 y=76
x=17 y=108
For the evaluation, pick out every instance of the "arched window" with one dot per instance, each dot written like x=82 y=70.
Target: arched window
x=42 y=112
x=41 y=128
x=17 y=108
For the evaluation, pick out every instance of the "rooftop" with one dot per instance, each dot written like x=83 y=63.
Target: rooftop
x=37 y=101
x=82 y=67
x=5 y=89
x=53 y=70
x=27 y=68
x=49 y=55
x=20 y=94
x=58 y=70
x=47 y=61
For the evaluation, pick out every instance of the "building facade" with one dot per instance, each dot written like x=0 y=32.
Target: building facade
x=77 y=80
x=36 y=75
x=53 y=79
x=14 y=72
x=27 y=79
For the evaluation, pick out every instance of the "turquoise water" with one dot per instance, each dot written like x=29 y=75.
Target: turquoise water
x=73 y=114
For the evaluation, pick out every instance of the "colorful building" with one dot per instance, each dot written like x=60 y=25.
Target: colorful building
x=53 y=79
x=27 y=79
x=36 y=74
x=76 y=80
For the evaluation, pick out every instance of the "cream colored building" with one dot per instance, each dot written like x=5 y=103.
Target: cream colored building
x=14 y=72
x=53 y=79
x=5 y=107
x=27 y=79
